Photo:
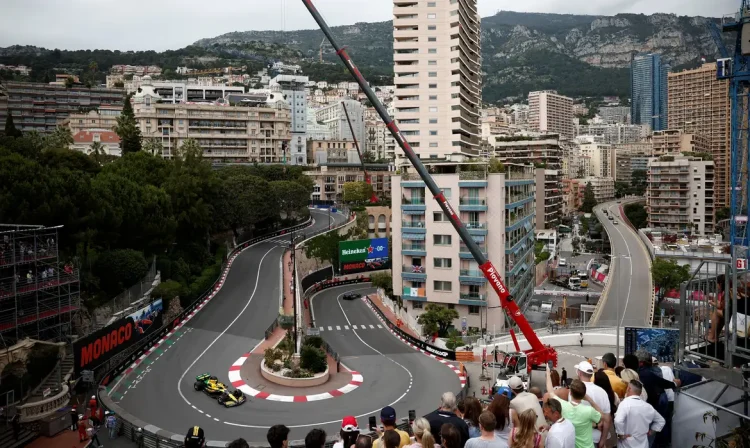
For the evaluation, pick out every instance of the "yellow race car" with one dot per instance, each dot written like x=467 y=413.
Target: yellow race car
x=210 y=385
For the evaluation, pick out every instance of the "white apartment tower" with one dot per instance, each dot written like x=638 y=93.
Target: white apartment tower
x=552 y=113
x=293 y=88
x=438 y=77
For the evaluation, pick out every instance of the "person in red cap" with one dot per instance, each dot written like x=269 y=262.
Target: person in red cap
x=349 y=433
x=81 y=428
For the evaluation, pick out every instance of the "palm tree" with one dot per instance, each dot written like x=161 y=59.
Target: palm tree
x=96 y=151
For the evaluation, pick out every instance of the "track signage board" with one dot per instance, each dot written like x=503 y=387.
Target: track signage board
x=363 y=255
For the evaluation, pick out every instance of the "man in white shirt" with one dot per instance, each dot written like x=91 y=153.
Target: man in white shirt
x=585 y=372
x=562 y=433
x=667 y=374
x=636 y=420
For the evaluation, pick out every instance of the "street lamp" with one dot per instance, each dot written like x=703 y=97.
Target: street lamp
x=617 y=292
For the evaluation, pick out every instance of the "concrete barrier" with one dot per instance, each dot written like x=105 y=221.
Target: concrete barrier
x=599 y=337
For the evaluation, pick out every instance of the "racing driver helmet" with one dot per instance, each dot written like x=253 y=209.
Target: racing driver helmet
x=195 y=438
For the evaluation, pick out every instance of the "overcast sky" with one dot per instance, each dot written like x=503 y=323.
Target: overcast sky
x=171 y=24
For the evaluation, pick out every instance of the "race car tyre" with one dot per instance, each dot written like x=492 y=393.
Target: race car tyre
x=198 y=385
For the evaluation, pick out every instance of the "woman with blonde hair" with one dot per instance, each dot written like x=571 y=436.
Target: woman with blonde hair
x=525 y=435
x=629 y=375
x=423 y=438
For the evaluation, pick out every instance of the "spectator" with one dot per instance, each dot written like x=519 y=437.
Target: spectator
x=601 y=380
x=580 y=415
x=630 y=361
x=562 y=433
x=505 y=417
x=73 y=418
x=81 y=428
x=487 y=439
x=525 y=400
x=238 y=443
x=609 y=362
x=450 y=435
x=423 y=438
x=585 y=372
x=556 y=383
x=388 y=419
x=652 y=381
x=619 y=370
x=195 y=438
x=665 y=437
x=447 y=414
x=391 y=439
x=111 y=424
x=564 y=378
x=525 y=435
x=537 y=392
x=278 y=436
x=364 y=441
x=472 y=410
x=717 y=315
x=349 y=433
x=629 y=375
x=635 y=420
x=316 y=438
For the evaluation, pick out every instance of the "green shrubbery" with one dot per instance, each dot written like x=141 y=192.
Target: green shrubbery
x=313 y=359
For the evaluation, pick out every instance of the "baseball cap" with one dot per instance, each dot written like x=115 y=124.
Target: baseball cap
x=515 y=383
x=388 y=413
x=585 y=367
x=195 y=437
x=505 y=391
x=349 y=424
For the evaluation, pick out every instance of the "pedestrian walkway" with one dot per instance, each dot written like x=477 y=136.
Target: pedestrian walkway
x=288 y=305
x=353 y=327
x=391 y=316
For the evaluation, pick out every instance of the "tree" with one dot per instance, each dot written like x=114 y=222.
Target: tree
x=621 y=189
x=638 y=182
x=290 y=197
x=589 y=200
x=495 y=166
x=69 y=82
x=96 y=151
x=61 y=138
x=325 y=248
x=357 y=192
x=120 y=269
x=384 y=281
x=127 y=129
x=10 y=128
x=368 y=157
x=242 y=202
x=152 y=146
x=636 y=214
x=437 y=318
x=668 y=274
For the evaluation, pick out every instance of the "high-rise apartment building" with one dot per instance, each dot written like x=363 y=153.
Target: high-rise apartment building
x=648 y=91
x=615 y=114
x=438 y=77
x=329 y=179
x=432 y=265
x=680 y=195
x=549 y=198
x=699 y=104
x=334 y=117
x=674 y=141
x=42 y=107
x=293 y=89
x=601 y=159
x=614 y=133
x=103 y=118
x=551 y=113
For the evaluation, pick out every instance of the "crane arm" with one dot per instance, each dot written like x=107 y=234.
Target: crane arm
x=539 y=353
x=713 y=29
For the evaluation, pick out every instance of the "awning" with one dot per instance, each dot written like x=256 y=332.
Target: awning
x=515 y=251
x=412 y=236
x=412 y=212
x=524 y=267
x=527 y=225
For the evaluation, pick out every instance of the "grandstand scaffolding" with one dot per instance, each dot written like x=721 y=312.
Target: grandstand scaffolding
x=38 y=292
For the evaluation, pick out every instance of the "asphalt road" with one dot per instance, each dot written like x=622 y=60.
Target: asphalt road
x=230 y=325
x=628 y=300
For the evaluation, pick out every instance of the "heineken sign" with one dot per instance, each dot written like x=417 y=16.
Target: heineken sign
x=362 y=250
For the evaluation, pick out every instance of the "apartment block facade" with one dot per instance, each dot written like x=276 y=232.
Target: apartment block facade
x=615 y=114
x=42 y=107
x=604 y=187
x=680 y=195
x=432 y=265
x=103 y=118
x=648 y=91
x=321 y=152
x=699 y=104
x=549 y=198
x=438 y=77
x=551 y=113
x=675 y=141
x=329 y=180
x=334 y=117
x=226 y=133
x=293 y=89
x=600 y=158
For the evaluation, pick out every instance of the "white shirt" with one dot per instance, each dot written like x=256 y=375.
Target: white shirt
x=667 y=374
x=561 y=435
x=635 y=417
x=601 y=399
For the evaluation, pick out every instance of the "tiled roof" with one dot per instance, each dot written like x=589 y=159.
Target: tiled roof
x=88 y=137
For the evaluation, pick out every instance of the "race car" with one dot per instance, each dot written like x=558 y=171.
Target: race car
x=210 y=385
x=229 y=400
x=351 y=296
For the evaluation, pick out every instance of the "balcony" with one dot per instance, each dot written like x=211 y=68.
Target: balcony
x=413 y=225
x=472 y=299
x=414 y=203
x=469 y=204
x=414 y=249
x=476 y=228
x=416 y=273
x=463 y=251
x=473 y=277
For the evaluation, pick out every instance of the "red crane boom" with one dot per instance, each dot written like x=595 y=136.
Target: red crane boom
x=539 y=353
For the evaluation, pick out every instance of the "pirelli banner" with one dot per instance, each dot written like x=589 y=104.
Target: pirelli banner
x=98 y=347
x=422 y=345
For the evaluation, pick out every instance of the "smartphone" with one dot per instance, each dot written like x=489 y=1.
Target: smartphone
x=373 y=423
x=412 y=415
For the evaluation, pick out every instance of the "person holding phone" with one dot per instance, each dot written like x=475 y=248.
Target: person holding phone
x=388 y=419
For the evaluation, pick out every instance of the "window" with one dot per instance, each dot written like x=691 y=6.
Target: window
x=432 y=50
x=447 y=193
x=473 y=309
x=441 y=240
x=695 y=210
x=431 y=62
x=433 y=120
x=431 y=15
x=432 y=74
x=439 y=217
x=431 y=4
x=440 y=285
x=445 y=263
x=433 y=132
x=433 y=108
x=417 y=305
x=451 y=306
x=433 y=145
x=432 y=39
x=433 y=86
x=431 y=27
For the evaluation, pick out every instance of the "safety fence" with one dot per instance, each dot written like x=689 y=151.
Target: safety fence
x=129 y=297
x=106 y=373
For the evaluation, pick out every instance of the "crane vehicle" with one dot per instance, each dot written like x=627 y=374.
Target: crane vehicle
x=539 y=354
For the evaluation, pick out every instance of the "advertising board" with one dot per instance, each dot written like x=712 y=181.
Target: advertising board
x=363 y=255
x=662 y=343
